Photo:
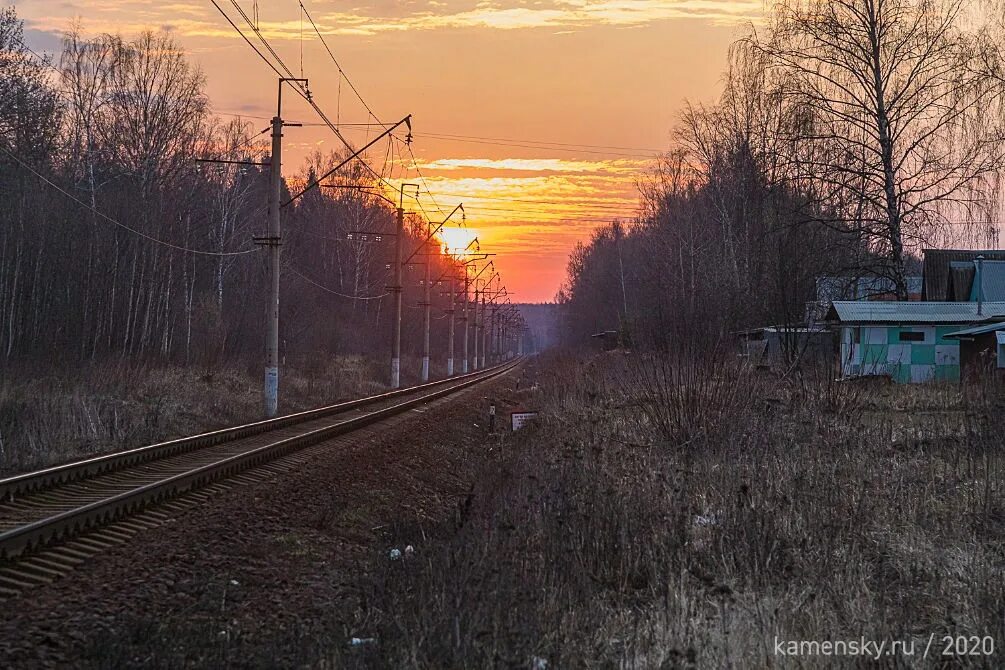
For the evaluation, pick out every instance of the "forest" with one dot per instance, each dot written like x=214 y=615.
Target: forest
x=117 y=243
x=848 y=136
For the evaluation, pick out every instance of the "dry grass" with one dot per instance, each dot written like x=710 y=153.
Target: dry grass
x=51 y=417
x=796 y=510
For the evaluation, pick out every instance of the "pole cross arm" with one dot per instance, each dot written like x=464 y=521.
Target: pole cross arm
x=363 y=188
x=435 y=230
x=316 y=182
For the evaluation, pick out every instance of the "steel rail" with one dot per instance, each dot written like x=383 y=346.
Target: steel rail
x=72 y=522
x=38 y=480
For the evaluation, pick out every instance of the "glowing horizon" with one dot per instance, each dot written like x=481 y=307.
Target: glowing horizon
x=458 y=242
x=538 y=117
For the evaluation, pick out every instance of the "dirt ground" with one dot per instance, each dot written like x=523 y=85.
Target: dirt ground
x=271 y=574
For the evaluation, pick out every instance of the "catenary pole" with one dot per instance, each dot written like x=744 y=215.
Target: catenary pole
x=450 y=328
x=464 y=318
x=397 y=290
x=430 y=232
x=475 y=338
x=427 y=303
x=484 y=333
x=273 y=241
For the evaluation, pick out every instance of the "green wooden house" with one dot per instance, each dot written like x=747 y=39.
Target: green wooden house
x=905 y=340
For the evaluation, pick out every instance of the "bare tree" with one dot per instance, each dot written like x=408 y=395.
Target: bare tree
x=895 y=115
x=30 y=108
x=30 y=118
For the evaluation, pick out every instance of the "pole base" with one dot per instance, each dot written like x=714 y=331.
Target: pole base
x=271 y=394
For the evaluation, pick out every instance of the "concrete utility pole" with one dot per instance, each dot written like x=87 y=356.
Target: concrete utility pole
x=453 y=309
x=468 y=282
x=450 y=329
x=273 y=241
x=494 y=335
x=481 y=333
x=474 y=362
x=424 y=247
x=503 y=342
x=400 y=211
x=980 y=284
x=464 y=318
x=428 y=305
x=484 y=334
x=397 y=288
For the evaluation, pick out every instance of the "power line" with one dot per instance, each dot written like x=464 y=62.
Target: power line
x=297 y=86
x=422 y=178
x=42 y=60
x=306 y=124
x=559 y=218
x=525 y=141
x=340 y=70
x=328 y=290
x=602 y=149
x=380 y=176
x=239 y=32
x=475 y=198
x=549 y=148
x=525 y=211
x=261 y=38
x=83 y=204
x=343 y=75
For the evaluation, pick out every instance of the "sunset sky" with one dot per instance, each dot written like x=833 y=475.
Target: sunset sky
x=538 y=115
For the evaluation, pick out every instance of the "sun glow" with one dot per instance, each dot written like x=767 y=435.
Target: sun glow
x=455 y=241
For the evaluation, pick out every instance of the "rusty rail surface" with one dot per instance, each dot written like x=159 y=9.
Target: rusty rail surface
x=66 y=524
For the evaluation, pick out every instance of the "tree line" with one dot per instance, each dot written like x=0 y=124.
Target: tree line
x=849 y=135
x=116 y=242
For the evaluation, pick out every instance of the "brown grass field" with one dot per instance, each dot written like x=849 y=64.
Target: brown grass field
x=660 y=513
x=51 y=416
x=685 y=513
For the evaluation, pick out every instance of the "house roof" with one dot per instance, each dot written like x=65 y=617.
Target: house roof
x=992 y=281
x=935 y=275
x=960 y=280
x=783 y=329
x=978 y=330
x=866 y=311
x=850 y=287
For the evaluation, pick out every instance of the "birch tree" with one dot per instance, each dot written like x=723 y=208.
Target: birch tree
x=900 y=108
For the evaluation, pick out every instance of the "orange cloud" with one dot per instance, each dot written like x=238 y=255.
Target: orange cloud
x=620 y=166
x=200 y=20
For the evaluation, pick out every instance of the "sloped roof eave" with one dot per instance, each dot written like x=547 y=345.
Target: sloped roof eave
x=856 y=312
x=977 y=330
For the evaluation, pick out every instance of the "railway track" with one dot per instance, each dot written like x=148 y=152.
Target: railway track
x=52 y=520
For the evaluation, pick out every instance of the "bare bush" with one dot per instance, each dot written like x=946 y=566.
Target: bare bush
x=686 y=396
x=580 y=549
x=58 y=417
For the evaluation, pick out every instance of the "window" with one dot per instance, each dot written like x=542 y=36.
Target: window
x=908 y=336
